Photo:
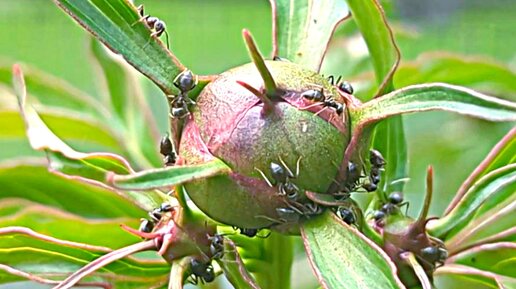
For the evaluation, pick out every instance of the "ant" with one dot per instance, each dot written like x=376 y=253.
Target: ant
x=294 y=215
x=281 y=175
x=216 y=246
x=251 y=232
x=343 y=86
x=377 y=164
x=179 y=104
x=167 y=150
x=146 y=226
x=346 y=215
x=352 y=182
x=201 y=271
x=435 y=255
x=156 y=25
x=395 y=203
x=318 y=96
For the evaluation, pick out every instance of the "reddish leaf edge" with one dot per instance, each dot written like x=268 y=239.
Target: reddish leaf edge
x=386 y=85
x=466 y=270
x=379 y=250
x=480 y=169
x=91 y=267
x=41 y=280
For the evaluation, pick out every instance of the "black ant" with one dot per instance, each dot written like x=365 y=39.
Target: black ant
x=394 y=204
x=281 y=175
x=167 y=150
x=216 y=246
x=318 y=96
x=201 y=271
x=179 y=104
x=157 y=213
x=146 y=226
x=352 y=182
x=251 y=232
x=435 y=255
x=343 y=86
x=377 y=164
x=346 y=215
x=156 y=25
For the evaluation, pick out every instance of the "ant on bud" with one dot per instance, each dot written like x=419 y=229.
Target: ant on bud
x=327 y=101
x=156 y=25
x=185 y=82
x=167 y=150
x=394 y=204
x=281 y=175
x=343 y=86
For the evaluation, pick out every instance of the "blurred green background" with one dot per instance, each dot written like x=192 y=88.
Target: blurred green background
x=205 y=35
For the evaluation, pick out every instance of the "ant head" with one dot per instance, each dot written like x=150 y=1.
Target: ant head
x=396 y=198
x=185 y=81
x=151 y=21
x=346 y=215
x=160 y=26
x=345 y=87
x=165 y=146
x=376 y=158
x=278 y=173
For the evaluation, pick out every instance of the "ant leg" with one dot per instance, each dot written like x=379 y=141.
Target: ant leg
x=321 y=110
x=405 y=204
x=298 y=164
x=166 y=37
x=291 y=175
x=264 y=177
x=338 y=80
x=310 y=106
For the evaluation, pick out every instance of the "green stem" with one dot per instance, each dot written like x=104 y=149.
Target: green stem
x=270 y=84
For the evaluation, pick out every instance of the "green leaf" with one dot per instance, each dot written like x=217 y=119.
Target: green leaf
x=92 y=167
x=492 y=218
x=48 y=259
x=503 y=153
x=385 y=55
x=234 y=268
x=62 y=225
x=487 y=187
x=389 y=136
x=36 y=184
x=98 y=169
x=460 y=276
x=389 y=139
x=302 y=29
x=474 y=72
x=116 y=23
x=13 y=142
x=125 y=98
x=499 y=258
x=54 y=93
x=344 y=258
x=436 y=96
x=169 y=176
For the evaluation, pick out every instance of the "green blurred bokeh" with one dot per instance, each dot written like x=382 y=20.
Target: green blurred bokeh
x=205 y=35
